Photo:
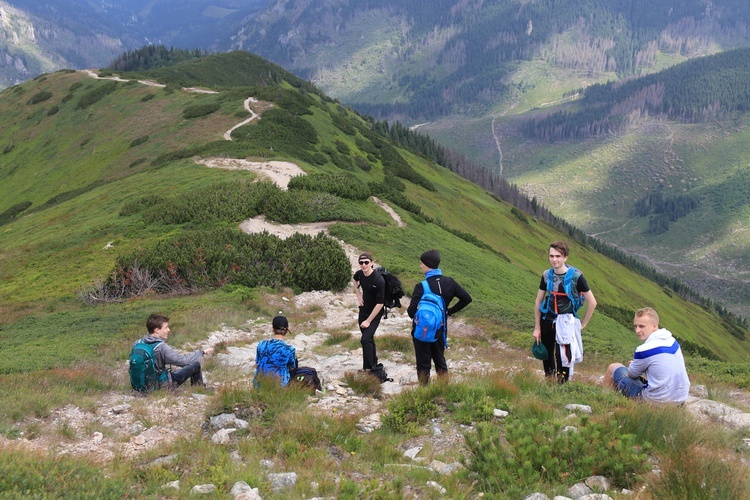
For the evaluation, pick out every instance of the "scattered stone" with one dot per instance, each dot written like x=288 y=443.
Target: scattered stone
x=412 y=452
x=369 y=423
x=235 y=456
x=266 y=464
x=223 y=436
x=140 y=440
x=443 y=468
x=626 y=491
x=560 y=497
x=242 y=491
x=117 y=410
x=162 y=461
x=536 y=496
x=435 y=486
x=436 y=431
x=341 y=391
x=203 y=489
x=598 y=483
x=98 y=437
x=595 y=496
x=282 y=481
x=500 y=413
x=578 y=490
x=580 y=408
x=173 y=484
x=569 y=428
x=222 y=421
x=135 y=429
x=241 y=424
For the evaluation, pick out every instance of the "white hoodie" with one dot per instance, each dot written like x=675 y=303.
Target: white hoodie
x=660 y=359
x=568 y=332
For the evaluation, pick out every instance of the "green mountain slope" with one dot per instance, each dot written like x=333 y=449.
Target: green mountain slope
x=99 y=169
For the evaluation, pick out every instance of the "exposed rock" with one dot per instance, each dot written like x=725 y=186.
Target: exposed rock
x=536 y=496
x=595 y=496
x=578 y=408
x=242 y=491
x=223 y=436
x=412 y=452
x=203 y=489
x=598 y=483
x=443 y=468
x=500 y=413
x=162 y=461
x=282 y=481
x=578 y=490
x=369 y=423
x=222 y=421
x=173 y=484
x=435 y=486
x=119 y=409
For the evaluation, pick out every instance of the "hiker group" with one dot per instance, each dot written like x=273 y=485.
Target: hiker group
x=656 y=373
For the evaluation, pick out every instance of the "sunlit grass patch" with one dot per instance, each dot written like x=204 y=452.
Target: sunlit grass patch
x=364 y=384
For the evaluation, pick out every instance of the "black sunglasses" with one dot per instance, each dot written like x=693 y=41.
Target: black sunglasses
x=365 y=262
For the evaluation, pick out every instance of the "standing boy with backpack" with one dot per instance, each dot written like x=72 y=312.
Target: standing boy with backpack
x=370 y=289
x=429 y=310
x=151 y=355
x=561 y=293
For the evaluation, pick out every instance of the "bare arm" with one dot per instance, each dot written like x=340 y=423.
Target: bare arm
x=358 y=293
x=590 y=306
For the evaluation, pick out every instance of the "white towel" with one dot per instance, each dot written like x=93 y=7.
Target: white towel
x=568 y=329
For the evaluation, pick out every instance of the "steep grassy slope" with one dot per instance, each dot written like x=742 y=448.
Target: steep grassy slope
x=80 y=165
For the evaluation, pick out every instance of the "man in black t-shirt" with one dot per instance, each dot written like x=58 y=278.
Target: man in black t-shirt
x=555 y=315
x=370 y=289
x=428 y=352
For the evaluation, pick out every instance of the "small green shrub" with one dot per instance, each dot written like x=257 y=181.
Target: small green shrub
x=342 y=147
x=410 y=410
x=337 y=338
x=99 y=92
x=39 y=97
x=531 y=452
x=147 y=97
x=341 y=185
x=140 y=140
x=362 y=163
x=53 y=110
x=198 y=110
x=13 y=212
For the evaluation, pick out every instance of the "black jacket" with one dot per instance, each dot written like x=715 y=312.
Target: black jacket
x=446 y=287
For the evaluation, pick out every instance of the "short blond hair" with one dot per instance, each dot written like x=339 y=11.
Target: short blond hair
x=648 y=311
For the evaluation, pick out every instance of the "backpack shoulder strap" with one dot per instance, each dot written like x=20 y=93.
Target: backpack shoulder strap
x=571 y=277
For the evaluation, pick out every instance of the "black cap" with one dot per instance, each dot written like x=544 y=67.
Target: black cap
x=431 y=259
x=280 y=323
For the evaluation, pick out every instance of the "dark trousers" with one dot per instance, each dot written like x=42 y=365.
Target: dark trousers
x=369 y=354
x=426 y=353
x=553 y=365
x=191 y=371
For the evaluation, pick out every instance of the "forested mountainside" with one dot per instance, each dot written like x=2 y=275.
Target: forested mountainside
x=38 y=36
x=423 y=59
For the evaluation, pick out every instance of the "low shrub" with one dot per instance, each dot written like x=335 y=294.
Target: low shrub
x=531 y=453
x=99 y=92
x=39 y=97
x=140 y=140
x=364 y=384
x=196 y=260
x=198 y=110
x=342 y=185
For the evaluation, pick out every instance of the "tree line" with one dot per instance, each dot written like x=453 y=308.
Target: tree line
x=698 y=90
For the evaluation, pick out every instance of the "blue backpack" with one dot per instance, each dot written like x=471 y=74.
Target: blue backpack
x=549 y=305
x=143 y=376
x=430 y=319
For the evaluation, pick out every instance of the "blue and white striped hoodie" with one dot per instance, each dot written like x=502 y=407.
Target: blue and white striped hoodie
x=660 y=359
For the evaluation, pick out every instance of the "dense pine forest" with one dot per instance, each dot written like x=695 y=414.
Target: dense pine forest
x=698 y=90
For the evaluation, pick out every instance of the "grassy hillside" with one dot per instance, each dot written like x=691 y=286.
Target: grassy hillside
x=99 y=171
x=93 y=165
